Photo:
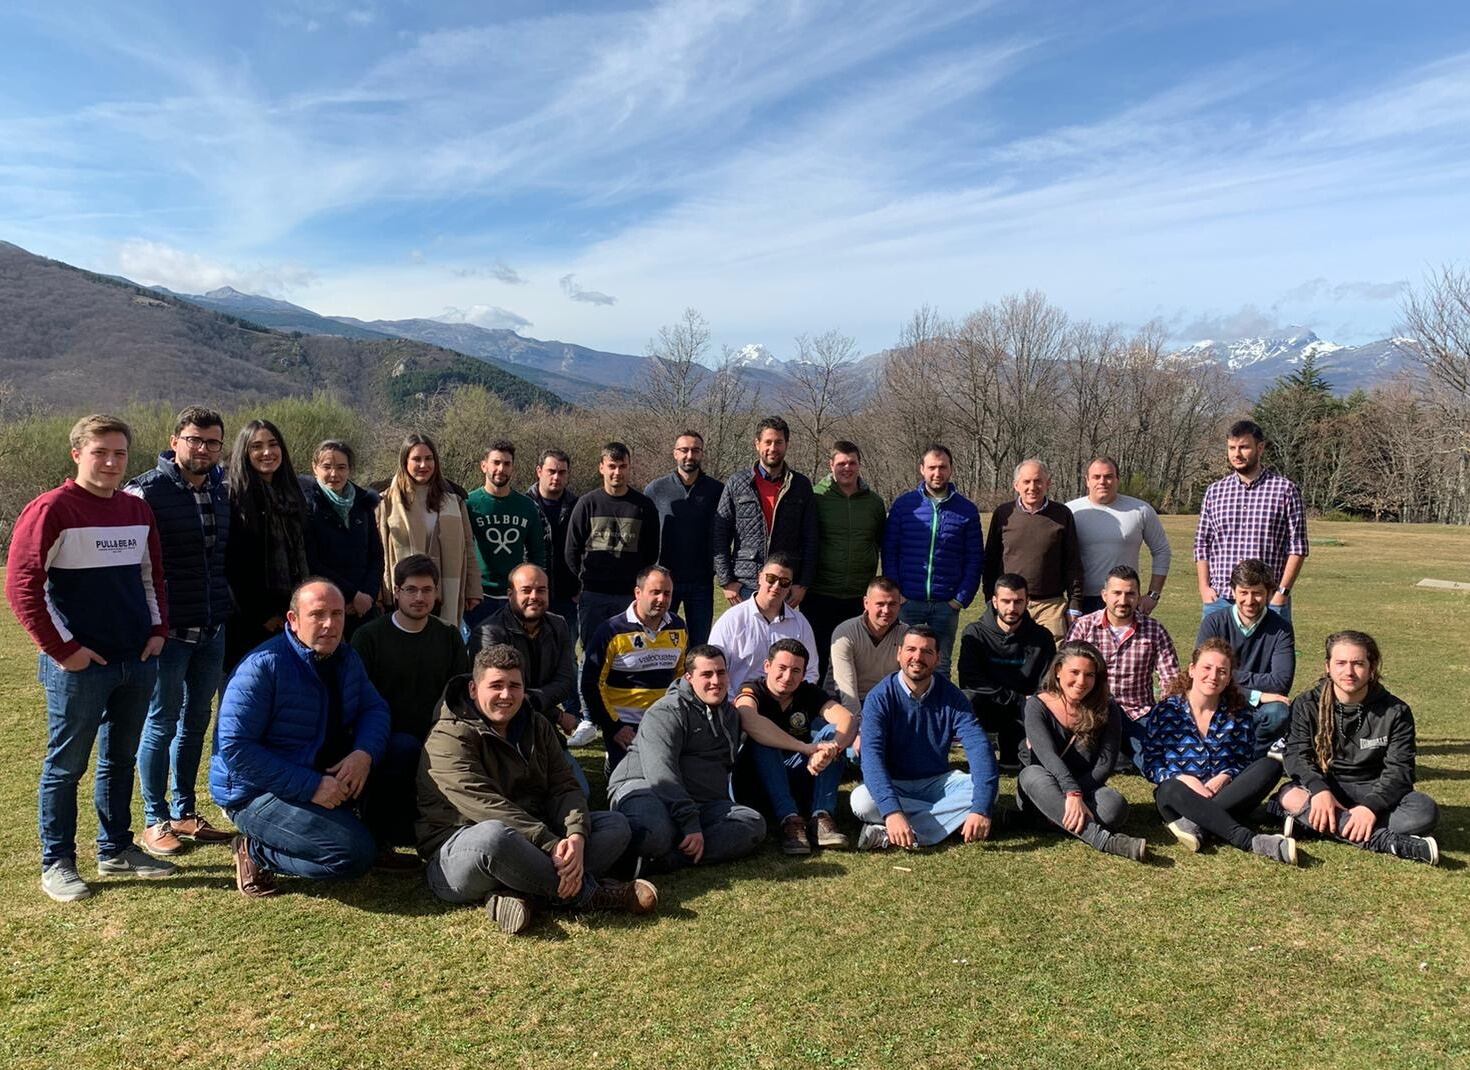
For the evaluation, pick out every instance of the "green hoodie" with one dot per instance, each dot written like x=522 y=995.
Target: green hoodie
x=849 y=539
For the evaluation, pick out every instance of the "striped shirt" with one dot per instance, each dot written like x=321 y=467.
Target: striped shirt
x=1263 y=519
x=629 y=667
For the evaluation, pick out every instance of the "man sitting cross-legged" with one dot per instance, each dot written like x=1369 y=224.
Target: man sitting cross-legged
x=300 y=729
x=501 y=818
x=674 y=784
x=798 y=737
x=909 y=796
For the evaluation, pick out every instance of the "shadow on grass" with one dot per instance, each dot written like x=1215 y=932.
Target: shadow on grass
x=1443 y=746
x=1431 y=772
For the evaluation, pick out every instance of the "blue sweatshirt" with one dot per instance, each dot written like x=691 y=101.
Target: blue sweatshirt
x=908 y=740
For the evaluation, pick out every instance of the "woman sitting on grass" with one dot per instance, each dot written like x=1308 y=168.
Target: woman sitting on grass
x=1350 y=756
x=1198 y=753
x=1072 y=733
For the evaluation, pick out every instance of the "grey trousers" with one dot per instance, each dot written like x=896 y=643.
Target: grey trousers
x=1044 y=794
x=491 y=857
x=730 y=830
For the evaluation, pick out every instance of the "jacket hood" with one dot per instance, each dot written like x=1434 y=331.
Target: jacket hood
x=458 y=705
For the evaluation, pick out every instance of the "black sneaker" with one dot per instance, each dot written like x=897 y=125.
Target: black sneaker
x=1416 y=849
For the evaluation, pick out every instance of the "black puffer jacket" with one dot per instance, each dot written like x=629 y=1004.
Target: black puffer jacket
x=349 y=554
x=198 y=589
x=740 y=543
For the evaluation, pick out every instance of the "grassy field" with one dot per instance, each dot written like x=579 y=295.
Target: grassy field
x=1030 y=950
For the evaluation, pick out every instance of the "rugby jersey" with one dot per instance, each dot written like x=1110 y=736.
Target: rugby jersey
x=628 y=668
x=87 y=571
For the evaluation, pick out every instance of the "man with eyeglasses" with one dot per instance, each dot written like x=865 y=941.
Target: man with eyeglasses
x=191 y=505
x=747 y=629
x=410 y=656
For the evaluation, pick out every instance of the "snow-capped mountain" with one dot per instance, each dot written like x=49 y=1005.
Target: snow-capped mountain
x=756 y=355
x=1258 y=362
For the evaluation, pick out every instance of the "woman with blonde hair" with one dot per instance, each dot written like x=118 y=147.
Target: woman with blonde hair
x=1198 y=754
x=1072 y=733
x=421 y=514
x=1350 y=756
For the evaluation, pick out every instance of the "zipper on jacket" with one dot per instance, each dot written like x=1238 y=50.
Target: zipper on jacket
x=785 y=485
x=933 y=538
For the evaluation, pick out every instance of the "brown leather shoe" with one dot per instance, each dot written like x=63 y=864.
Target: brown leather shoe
x=826 y=832
x=161 y=841
x=632 y=897
x=793 y=836
x=254 y=882
x=193 y=827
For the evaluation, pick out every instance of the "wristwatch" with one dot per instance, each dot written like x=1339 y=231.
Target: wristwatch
x=1156 y=595
x=1284 y=592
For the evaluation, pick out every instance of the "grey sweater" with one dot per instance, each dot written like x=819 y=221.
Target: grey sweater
x=683 y=753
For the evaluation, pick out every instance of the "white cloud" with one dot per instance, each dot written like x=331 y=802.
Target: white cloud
x=490 y=316
x=156 y=264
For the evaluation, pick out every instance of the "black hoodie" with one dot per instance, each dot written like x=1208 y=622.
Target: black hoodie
x=1372 y=746
x=1000 y=669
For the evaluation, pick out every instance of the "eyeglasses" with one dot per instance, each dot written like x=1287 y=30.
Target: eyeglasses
x=775 y=581
x=194 y=442
x=414 y=592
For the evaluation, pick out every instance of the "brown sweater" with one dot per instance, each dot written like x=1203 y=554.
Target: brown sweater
x=1040 y=546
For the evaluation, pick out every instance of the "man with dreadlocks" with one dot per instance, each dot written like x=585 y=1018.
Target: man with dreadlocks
x=1350 y=756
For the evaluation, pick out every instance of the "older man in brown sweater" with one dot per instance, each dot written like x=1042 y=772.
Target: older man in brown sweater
x=1036 y=537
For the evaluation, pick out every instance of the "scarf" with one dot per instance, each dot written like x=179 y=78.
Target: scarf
x=276 y=519
x=340 y=502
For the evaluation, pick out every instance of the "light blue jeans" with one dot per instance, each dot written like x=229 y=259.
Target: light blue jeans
x=936 y=806
x=178 y=718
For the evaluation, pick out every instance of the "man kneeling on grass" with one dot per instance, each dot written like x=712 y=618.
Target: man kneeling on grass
x=909 y=796
x=502 y=820
x=798 y=739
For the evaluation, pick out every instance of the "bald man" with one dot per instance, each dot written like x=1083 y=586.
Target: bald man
x=1036 y=538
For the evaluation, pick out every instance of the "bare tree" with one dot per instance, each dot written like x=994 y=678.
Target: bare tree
x=824 y=391
x=1437 y=317
x=726 y=407
x=675 y=366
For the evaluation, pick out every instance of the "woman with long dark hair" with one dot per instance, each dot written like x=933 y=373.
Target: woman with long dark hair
x=1198 y=754
x=421 y=514
x=342 y=531
x=266 y=556
x=1350 y=757
x=1072 y=733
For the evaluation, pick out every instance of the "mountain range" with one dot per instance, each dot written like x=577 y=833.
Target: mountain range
x=1258 y=362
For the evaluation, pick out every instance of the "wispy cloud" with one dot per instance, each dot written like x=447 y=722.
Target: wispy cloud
x=500 y=271
x=491 y=316
x=1319 y=289
x=574 y=290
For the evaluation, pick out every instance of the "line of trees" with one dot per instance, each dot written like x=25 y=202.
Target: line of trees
x=1015 y=379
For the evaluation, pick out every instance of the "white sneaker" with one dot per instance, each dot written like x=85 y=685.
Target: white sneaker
x=61 y=882
x=583 y=734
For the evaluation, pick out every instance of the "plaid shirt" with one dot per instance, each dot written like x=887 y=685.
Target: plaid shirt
x=1262 y=519
x=1132 y=660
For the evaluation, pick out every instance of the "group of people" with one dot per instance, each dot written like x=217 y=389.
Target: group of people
x=399 y=667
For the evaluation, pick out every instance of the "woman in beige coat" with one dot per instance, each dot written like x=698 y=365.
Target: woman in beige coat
x=420 y=514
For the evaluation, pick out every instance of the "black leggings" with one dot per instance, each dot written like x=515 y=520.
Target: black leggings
x=1219 y=815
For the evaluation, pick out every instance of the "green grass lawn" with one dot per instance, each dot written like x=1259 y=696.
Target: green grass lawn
x=1030 y=950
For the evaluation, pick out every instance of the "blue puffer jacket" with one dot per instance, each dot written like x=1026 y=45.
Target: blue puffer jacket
x=273 y=721
x=933 y=549
x=198 y=589
x=350 y=554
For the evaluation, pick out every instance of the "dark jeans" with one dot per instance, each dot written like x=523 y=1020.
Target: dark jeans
x=825 y=613
x=1270 y=720
x=615 y=751
x=106 y=704
x=1415 y=815
x=942 y=617
x=730 y=830
x=1041 y=791
x=783 y=776
x=178 y=719
x=695 y=602
x=566 y=609
x=1006 y=724
x=302 y=839
x=1221 y=814
x=595 y=608
x=479 y=860
x=390 y=803
x=1091 y=603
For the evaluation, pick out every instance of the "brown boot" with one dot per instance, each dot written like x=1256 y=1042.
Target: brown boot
x=826 y=832
x=193 y=827
x=161 y=841
x=793 y=836
x=254 y=882
x=632 y=897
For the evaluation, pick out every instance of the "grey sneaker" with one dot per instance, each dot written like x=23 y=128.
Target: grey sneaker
x=1276 y=848
x=872 y=838
x=511 y=912
x=1190 y=836
x=135 y=862
x=62 y=882
x=1416 y=849
x=1132 y=848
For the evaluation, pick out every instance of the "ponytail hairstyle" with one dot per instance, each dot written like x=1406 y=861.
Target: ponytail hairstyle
x=403 y=483
x=1325 y=739
x=1092 y=711
x=1232 y=698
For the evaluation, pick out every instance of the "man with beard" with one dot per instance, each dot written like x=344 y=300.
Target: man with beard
x=409 y=656
x=507 y=526
x=686 y=499
x=1003 y=656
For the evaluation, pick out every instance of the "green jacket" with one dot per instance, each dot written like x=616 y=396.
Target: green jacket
x=469 y=774
x=849 y=538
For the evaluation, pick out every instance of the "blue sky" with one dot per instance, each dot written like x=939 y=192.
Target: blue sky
x=587 y=172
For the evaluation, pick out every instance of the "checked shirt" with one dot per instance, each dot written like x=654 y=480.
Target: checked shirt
x=1262 y=519
x=1132 y=659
